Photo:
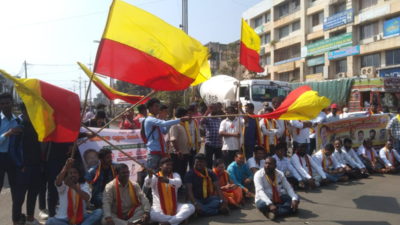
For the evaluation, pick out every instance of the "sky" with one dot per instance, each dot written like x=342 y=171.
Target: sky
x=53 y=35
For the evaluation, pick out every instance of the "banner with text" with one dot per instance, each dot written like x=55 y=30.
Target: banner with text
x=127 y=140
x=338 y=19
x=357 y=129
x=326 y=45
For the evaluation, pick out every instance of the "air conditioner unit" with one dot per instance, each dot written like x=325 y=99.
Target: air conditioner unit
x=377 y=37
x=369 y=72
x=341 y=75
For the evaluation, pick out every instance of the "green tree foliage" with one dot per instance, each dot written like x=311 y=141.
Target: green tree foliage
x=174 y=99
x=232 y=59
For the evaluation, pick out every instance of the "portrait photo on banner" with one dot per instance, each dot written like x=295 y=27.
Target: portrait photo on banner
x=128 y=141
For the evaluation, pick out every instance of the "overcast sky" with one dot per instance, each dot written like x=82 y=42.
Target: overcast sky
x=52 y=35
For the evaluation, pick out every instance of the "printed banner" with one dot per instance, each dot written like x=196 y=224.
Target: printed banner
x=391 y=28
x=357 y=129
x=353 y=50
x=338 y=19
x=326 y=45
x=127 y=140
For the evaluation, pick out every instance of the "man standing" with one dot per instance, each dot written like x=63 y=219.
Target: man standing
x=127 y=120
x=270 y=130
x=347 y=148
x=166 y=210
x=373 y=109
x=89 y=115
x=301 y=134
x=200 y=185
x=269 y=182
x=162 y=115
x=321 y=118
x=370 y=158
x=252 y=133
x=98 y=120
x=333 y=170
x=263 y=111
x=154 y=129
x=196 y=112
x=306 y=166
x=333 y=116
x=283 y=164
x=123 y=201
x=241 y=175
x=390 y=157
x=102 y=106
x=393 y=129
x=257 y=162
x=74 y=192
x=344 y=160
x=194 y=130
x=138 y=119
x=100 y=175
x=213 y=142
x=230 y=131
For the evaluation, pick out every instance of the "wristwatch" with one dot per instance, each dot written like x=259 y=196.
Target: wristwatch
x=221 y=201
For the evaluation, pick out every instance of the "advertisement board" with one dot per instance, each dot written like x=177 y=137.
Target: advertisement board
x=353 y=50
x=357 y=129
x=374 y=13
x=393 y=72
x=339 y=19
x=314 y=77
x=391 y=28
x=326 y=45
x=316 y=61
x=127 y=140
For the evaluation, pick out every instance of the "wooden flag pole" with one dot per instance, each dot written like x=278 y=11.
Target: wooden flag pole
x=240 y=130
x=130 y=157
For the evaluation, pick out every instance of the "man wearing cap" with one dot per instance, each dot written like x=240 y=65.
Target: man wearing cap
x=263 y=111
x=333 y=116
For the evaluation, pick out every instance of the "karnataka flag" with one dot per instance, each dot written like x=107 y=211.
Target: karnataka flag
x=140 y=48
x=109 y=92
x=250 y=45
x=53 y=111
x=301 y=104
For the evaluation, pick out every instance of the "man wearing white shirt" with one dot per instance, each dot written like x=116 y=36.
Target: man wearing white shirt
x=230 y=132
x=270 y=131
x=268 y=182
x=305 y=166
x=333 y=116
x=301 y=134
x=370 y=158
x=345 y=113
x=347 y=148
x=284 y=165
x=345 y=161
x=160 y=212
x=332 y=169
x=390 y=157
x=257 y=162
x=282 y=131
x=321 y=118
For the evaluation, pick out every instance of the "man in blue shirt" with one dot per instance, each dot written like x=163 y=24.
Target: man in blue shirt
x=8 y=127
x=252 y=133
x=154 y=130
x=241 y=175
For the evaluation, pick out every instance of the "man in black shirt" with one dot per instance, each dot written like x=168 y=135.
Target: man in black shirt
x=98 y=120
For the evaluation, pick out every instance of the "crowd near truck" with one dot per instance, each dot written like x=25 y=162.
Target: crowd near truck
x=228 y=90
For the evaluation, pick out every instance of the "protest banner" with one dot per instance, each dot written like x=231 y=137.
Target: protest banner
x=357 y=129
x=127 y=140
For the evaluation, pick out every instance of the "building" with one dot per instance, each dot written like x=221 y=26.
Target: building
x=219 y=57
x=305 y=40
x=7 y=86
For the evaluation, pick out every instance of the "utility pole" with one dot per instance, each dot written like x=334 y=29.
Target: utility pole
x=26 y=72
x=185 y=27
x=85 y=86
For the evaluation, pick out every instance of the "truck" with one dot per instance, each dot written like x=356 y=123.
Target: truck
x=225 y=89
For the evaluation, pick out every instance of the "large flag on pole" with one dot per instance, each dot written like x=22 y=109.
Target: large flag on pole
x=140 y=48
x=109 y=92
x=250 y=46
x=53 y=111
x=301 y=104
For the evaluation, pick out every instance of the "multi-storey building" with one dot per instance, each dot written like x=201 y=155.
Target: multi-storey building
x=326 y=39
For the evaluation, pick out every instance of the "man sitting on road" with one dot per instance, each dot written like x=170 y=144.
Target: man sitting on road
x=200 y=185
x=100 y=175
x=256 y=162
x=124 y=203
x=166 y=210
x=241 y=174
x=333 y=170
x=268 y=182
x=344 y=160
x=347 y=148
x=390 y=157
x=284 y=165
x=370 y=158
x=306 y=166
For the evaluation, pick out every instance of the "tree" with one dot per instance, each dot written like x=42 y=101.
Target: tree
x=232 y=59
x=174 y=99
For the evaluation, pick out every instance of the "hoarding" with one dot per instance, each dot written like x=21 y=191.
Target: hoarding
x=353 y=50
x=326 y=45
x=316 y=61
x=391 y=28
x=339 y=19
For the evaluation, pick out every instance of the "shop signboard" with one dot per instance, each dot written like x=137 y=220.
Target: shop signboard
x=391 y=28
x=352 y=50
x=338 y=19
x=326 y=45
x=393 y=72
x=316 y=61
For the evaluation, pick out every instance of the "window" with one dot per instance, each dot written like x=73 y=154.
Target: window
x=296 y=75
x=283 y=32
x=289 y=52
x=296 y=26
x=262 y=40
x=284 y=77
x=268 y=59
x=393 y=57
x=265 y=93
x=283 y=10
x=317 y=69
x=339 y=7
x=267 y=38
x=341 y=66
x=316 y=40
x=337 y=33
x=258 y=21
x=367 y=3
x=296 y=4
x=369 y=30
x=267 y=17
x=371 y=60
x=317 y=18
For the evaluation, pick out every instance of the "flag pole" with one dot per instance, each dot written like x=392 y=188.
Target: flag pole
x=133 y=106
x=240 y=131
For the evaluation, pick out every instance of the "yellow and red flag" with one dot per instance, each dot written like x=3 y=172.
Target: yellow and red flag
x=140 y=48
x=53 y=111
x=109 y=92
x=301 y=104
x=250 y=46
